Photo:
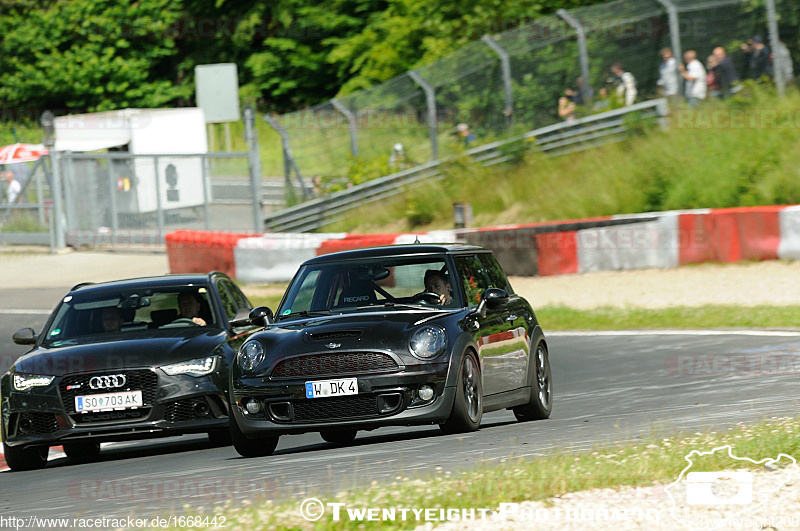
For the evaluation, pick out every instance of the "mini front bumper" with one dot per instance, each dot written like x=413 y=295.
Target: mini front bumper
x=383 y=400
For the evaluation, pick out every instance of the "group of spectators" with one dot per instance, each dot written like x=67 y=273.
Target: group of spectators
x=718 y=78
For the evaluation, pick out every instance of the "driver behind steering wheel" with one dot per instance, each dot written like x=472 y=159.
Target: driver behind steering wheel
x=436 y=282
x=189 y=305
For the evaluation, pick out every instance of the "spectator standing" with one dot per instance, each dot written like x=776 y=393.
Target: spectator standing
x=695 y=76
x=668 y=74
x=757 y=54
x=725 y=73
x=463 y=131
x=566 y=106
x=626 y=84
x=397 y=160
x=711 y=78
x=14 y=188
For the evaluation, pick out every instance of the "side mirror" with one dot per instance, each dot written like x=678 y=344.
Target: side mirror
x=24 y=336
x=492 y=298
x=261 y=316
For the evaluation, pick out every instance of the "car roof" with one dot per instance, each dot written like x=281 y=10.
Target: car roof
x=203 y=279
x=396 y=250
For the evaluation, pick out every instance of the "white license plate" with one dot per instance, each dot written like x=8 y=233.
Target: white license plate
x=108 y=401
x=328 y=388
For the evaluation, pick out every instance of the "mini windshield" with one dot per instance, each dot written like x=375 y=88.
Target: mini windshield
x=113 y=313
x=357 y=285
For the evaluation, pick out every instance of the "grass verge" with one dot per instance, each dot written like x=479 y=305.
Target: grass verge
x=708 y=316
x=657 y=460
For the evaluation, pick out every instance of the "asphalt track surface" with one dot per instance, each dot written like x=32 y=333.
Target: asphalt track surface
x=609 y=388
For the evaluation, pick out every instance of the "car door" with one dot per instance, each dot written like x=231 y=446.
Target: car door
x=492 y=334
x=516 y=349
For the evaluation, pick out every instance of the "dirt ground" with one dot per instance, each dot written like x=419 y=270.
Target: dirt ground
x=748 y=284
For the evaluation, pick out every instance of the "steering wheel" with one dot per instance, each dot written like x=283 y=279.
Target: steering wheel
x=427 y=297
x=183 y=321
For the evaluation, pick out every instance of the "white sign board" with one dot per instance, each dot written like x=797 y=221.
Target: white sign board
x=217 y=92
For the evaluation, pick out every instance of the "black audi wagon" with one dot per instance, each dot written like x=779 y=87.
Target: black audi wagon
x=397 y=335
x=124 y=360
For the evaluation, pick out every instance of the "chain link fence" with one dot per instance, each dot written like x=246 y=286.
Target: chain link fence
x=511 y=82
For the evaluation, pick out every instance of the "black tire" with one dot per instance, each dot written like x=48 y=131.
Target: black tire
x=22 y=458
x=541 y=402
x=219 y=438
x=468 y=405
x=257 y=447
x=338 y=436
x=82 y=451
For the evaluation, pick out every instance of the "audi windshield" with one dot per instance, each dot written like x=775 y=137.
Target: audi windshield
x=109 y=315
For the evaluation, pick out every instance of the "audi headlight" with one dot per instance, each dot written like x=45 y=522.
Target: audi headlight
x=197 y=367
x=427 y=342
x=251 y=355
x=23 y=382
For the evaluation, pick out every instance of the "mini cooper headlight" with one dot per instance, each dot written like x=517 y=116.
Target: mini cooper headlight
x=23 y=382
x=427 y=342
x=251 y=355
x=196 y=367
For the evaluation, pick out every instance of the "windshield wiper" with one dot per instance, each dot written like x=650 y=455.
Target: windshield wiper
x=306 y=313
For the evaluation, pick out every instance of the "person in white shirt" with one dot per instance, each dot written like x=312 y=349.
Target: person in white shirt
x=626 y=89
x=14 y=188
x=668 y=74
x=695 y=76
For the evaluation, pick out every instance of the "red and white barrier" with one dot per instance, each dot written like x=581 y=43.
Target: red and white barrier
x=654 y=240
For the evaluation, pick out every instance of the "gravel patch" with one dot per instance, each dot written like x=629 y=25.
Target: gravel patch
x=748 y=284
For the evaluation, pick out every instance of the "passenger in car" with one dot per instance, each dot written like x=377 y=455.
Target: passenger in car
x=189 y=305
x=112 y=320
x=436 y=282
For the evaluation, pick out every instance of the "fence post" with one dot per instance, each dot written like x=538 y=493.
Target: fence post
x=351 y=121
x=505 y=64
x=675 y=37
x=255 y=167
x=49 y=126
x=160 y=211
x=288 y=160
x=774 y=38
x=430 y=98
x=583 y=54
x=112 y=188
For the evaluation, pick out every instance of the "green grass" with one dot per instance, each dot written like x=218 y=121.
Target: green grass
x=708 y=316
x=681 y=167
x=625 y=461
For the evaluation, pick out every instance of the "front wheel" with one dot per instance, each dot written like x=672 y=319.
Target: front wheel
x=541 y=402
x=258 y=447
x=22 y=458
x=468 y=405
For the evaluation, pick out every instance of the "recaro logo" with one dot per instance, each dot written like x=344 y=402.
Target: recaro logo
x=362 y=298
x=107 y=382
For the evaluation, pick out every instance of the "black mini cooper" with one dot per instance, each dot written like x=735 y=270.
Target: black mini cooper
x=124 y=360
x=398 y=335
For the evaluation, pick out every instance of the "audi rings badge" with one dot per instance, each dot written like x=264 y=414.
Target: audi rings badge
x=110 y=381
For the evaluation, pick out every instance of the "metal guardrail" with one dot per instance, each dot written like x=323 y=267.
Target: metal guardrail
x=556 y=139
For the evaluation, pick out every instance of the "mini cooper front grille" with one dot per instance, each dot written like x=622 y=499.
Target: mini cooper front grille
x=337 y=408
x=335 y=334
x=37 y=423
x=73 y=385
x=333 y=363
